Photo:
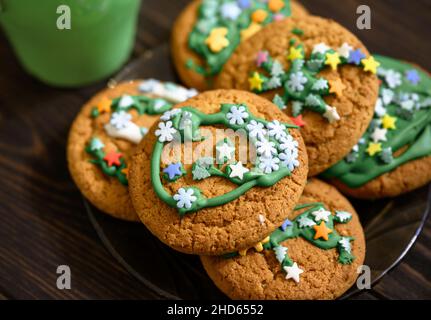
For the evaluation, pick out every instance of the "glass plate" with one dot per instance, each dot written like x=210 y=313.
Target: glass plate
x=391 y=226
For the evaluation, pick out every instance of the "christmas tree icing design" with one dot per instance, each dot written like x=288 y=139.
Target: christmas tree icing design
x=222 y=24
x=316 y=225
x=302 y=86
x=121 y=125
x=400 y=130
x=277 y=154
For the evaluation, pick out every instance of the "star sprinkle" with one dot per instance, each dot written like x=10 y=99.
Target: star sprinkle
x=370 y=64
x=173 y=170
x=388 y=122
x=374 y=148
x=217 y=40
x=305 y=222
x=255 y=82
x=333 y=60
x=230 y=11
x=238 y=170
x=293 y=272
x=322 y=231
x=262 y=219
x=344 y=50
x=104 y=105
x=321 y=214
x=331 y=114
x=275 y=5
x=262 y=57
x=379 y=109
x=294 y=53
x=343 y=216
x=96 y=144
x=379 y=134
x=356 y=56
x=286 y=223
x=225 y=151
x=259 y=16
x=413 y=76
x=298 y=121
x=336 y=87
x=251 y=30
x=113 y=158
x=320 y=48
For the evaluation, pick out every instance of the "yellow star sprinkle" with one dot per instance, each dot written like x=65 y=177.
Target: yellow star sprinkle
x=275 y=5
x=333 y=60
x=294 y=53
x=370 y=64
x=374 y=148
x=104 y=105
x=217 y=40
x=255 y=82
x=259 y=15
x=251 y=30
x=388 y=122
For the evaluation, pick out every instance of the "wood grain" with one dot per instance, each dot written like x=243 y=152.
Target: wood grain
x=42 y=219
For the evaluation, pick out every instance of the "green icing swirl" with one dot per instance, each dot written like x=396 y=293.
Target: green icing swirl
x=413 y=129
x=252 y=178
x=209 y=17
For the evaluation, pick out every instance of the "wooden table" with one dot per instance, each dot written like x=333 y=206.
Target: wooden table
x=43 y=223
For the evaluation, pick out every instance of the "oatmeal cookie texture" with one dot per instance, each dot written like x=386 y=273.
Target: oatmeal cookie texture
x=207 y=32
x=215 y=203
x=313 y=255
x=318 y=73
x=394 y=155
x=105 y=134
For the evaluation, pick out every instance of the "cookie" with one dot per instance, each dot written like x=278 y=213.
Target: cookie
x=104 y=136
x=394 y=155
x=313 y=255
x=218 y=172
x=197 y=59
x=318 y=73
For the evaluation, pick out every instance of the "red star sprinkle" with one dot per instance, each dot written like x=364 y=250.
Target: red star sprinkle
x=113 y=158
x=298 y=121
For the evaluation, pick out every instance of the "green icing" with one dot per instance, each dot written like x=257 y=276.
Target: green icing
x=410 y=105
x=303 y=226
x=210 y=17
x=185 y=124
x=300 y=82
x=95 y=148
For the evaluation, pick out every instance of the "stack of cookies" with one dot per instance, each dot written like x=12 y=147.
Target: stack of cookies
x=234 y=174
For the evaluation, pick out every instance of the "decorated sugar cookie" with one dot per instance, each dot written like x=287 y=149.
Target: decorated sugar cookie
x=316 y=71
x=394 y=155
x=218 y=173
x=314 y=254
x=208 y=31
x=105 y=134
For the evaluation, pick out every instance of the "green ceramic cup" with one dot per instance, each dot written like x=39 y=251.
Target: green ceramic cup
x=98 y=43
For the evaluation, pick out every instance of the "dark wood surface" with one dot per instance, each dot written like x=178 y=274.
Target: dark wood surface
x=43 y=223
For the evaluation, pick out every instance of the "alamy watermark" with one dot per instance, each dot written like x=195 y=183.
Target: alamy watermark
x=64 y=20
x=363 y=22
x=64 y=280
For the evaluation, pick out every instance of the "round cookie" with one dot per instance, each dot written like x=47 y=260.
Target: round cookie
x=394 y=155
x=319 y=73
x=104 y=136
x=291 y=264
x=186 y=58
x=221 y=200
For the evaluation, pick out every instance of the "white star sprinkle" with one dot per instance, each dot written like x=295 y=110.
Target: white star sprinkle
x=320 y=48
x=293 y=272
x=224 y=151
x=331 y=114
x=379 y=134
x=344 y=50
x=238 y=170
x=321 y=214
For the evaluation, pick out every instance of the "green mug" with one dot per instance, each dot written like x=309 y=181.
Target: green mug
x=70 y=43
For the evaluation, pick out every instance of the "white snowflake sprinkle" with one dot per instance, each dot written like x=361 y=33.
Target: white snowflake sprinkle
x=185 y=198
x=289 y=145
x=125 y=101
x=379 y=109
x=296 y=81
x=268 y=165
x=168 y=115
x=387 y=96
x=120 y=119
x=393 y=78
x=256 y=129
x=237 y=115
x=165 y=131
x=289 y=160
x=265 y=148
x=276 y=129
